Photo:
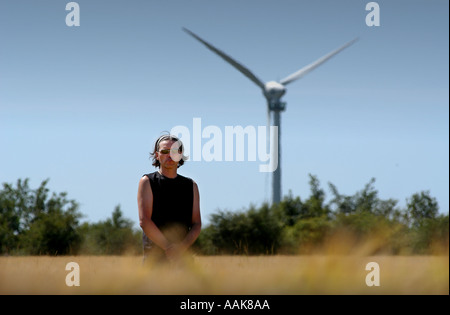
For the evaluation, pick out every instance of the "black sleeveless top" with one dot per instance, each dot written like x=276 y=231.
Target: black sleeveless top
x=173 y=200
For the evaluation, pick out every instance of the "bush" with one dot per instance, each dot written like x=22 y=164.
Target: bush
x=115 y=236
x=257 y=231
x=32 y=222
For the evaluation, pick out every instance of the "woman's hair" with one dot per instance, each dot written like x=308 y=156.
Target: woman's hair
x=167 y=137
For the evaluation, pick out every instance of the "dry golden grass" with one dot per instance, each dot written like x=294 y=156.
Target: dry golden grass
x=311 y=274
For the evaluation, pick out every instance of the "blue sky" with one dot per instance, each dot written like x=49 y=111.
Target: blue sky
x=84 y=105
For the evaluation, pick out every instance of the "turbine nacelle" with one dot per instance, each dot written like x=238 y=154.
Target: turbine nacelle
x=273 y=91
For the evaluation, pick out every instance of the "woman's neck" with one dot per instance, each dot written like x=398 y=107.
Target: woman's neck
x=170 y=173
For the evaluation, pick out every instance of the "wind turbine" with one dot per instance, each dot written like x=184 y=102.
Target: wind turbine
x=273 y=91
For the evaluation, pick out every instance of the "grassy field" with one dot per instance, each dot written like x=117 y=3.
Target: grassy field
x=310 y=274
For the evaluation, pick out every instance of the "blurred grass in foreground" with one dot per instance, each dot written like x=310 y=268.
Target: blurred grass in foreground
x=312 y=274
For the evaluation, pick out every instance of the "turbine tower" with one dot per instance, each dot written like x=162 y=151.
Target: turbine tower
x=273 y=91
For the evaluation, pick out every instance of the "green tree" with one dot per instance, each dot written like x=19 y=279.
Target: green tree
x=114 y=236
x=315 y=205
x=255 y=231
x=10 y=213
x=421 y=206
x=291 y=209
x=33 y=222
x=428 y=229
x=364 y=201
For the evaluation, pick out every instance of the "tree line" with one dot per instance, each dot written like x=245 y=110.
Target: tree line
x=346 y=224
x=37 y=222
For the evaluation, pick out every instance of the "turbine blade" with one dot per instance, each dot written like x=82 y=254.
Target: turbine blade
x=297 y=75
x=228 y=59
